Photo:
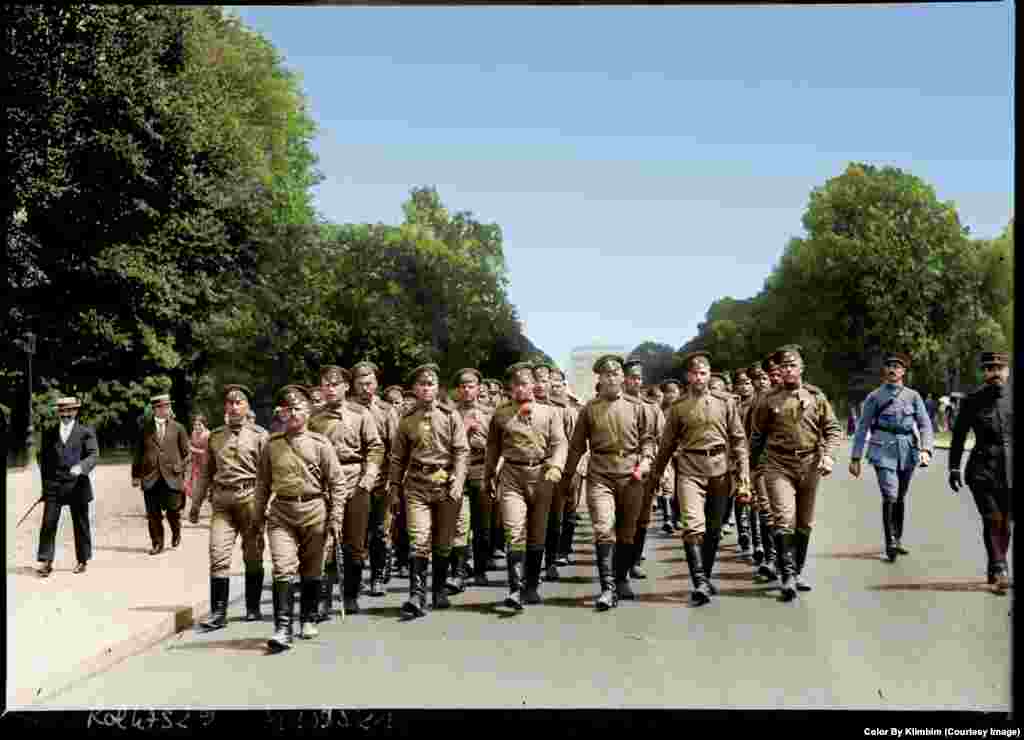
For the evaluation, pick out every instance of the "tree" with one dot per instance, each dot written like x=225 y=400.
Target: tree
x=658 y=360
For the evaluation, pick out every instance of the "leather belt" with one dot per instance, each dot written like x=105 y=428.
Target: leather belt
x=302 y=499
x=901 y=432
x=237 y=488
x=428 y=469
x=524 y=463
x=621 y=454
x=709 y=452
x=797 y=453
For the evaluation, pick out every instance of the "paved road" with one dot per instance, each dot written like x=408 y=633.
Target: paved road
x=922 y=633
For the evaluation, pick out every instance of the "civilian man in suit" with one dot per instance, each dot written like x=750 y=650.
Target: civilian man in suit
x=160 y=460
x=66 y=457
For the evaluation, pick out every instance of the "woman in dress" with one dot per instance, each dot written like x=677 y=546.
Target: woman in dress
x=200 y=434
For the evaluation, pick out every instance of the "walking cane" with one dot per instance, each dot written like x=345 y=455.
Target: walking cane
x=31 y=509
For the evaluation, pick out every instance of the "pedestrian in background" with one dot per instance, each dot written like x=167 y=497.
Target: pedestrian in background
x=197 y=450
x=158 y=467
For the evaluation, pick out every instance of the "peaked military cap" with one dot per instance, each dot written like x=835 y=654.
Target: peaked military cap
x=629 y=365
x=393 y=388
x=719 y=376
x=161 y=399
x=364 y=368
x=699 y=358
x=755 y=371
x=518 y=367
x=335 y=372
x=429 y=368
x=788 y=353
x=457 y=378
x=294 y=395
x=235 y=389
x=68 y=402
x=313 y=391
x=741 y=372
x=608 y=363
x=768 y=364
x=995 y=358
x=899 y=357
x=559 y=372
x=667 y=382
x=540 y=363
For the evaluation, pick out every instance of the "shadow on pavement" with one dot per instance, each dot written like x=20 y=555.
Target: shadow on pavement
x=872 y=554
x=143 y=550
x=979 y=586
x=243 y=645
x=586 y=602
x=575 y=579
x=25 y=570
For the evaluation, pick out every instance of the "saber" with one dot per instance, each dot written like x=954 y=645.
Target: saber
x=31 y=509
x=341 y=571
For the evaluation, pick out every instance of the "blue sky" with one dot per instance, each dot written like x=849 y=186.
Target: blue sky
x=643 y=161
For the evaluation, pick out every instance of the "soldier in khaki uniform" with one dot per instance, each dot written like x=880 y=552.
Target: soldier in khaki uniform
x=542 y=376
x=430 y=454
x=352 y=430
x=667 y=503
x=621 y=443
x=704 y=433
x=634 y=378
x=393 y=396
x=233 y=456
x=378 y=534
x=758 y=379
x=767 y=380
x=746 y=524
x=529 y=438
x=475 y=513
x=795 y=433
x=567 y=515
x=719 y=382
x=300 y=470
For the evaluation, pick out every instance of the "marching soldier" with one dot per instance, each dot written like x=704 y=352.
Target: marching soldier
x=759 y=535
x=158 y=466
x=573 y=500
x=229 y=477
x=352 y=430
x=890 y=413
x=430 y=454
x=300 y=470
x=634 y=378
x=768 y=380
x=381 y=506
x=704 y=433
x=795 y=433
x=393 y=396
x=615 y=427
x=318 y=397
x=543 y=373
x=529 y=438
x=988 y=412
x=746 y=526
x=475 y=513
x=719 y=382
x=668 y=504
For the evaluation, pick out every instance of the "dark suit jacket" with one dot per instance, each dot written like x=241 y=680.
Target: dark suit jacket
x=989 y=414
x=153 y=459
x=56 y=459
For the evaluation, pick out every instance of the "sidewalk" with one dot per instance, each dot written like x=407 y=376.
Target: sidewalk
x=68 y=627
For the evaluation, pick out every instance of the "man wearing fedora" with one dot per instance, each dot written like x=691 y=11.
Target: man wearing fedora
x=158 y=466
x=67 y=455
x=890 y=413
x=988 y=412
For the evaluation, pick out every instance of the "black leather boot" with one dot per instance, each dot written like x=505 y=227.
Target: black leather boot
x=677 y=514
x=767 y=569
x=326 y=600
x=700 y=594
x=353 y=582
x=666 y=524
x=787 y=565
x=565 y=540
x=709 y=553
x=253 y=595
x=802 y=540
x=898 y=510
x=438 y=581
x=310 y=597
x=378 y=564
x=609 y=598
x=890 y=539
x=531 y=593
x=514 y=561
x=284 y=604
x=481 y=550
x=455 y=583
x=743 y=530
x=638 y=544
x=219 y=589
x=416 y=606
x=755 y=537
x=622 y=561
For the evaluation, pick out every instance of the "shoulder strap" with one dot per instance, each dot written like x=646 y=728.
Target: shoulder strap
x=883 y=407
x=312 y=467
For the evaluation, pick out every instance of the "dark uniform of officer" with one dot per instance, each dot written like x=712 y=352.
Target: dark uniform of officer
x=795 y=434
x=988 y=412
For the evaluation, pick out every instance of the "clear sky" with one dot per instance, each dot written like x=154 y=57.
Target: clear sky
x=643 y=161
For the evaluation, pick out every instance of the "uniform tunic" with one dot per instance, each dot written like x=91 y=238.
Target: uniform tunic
x=529 y=445
x=620 y=435
x=431 y=454
x=229 y=478
x=381 y=503
x=798 y=428
x=988 y=412
x=703 y=433
x=657 y=421
x=302 y=475
x=476 y=507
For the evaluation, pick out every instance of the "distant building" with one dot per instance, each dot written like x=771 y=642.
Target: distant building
x=580 y=373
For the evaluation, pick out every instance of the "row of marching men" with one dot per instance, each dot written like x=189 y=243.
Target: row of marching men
x=325 y=485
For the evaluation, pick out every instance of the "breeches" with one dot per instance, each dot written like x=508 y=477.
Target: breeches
x=229 y=521
x=525 y=503
x=431 y=515
x=698 y=496
x=297 y=534
x=792 y=494
x=614 y=505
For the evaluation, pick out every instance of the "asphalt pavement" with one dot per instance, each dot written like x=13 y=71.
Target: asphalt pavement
x=924 y=632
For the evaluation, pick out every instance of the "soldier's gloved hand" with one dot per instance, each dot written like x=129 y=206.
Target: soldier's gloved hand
x=76 y=470
x=955 y=481
x=193 y=515
x=926 y=458
x=553 y=475
x=855 y=468
x=826 y=465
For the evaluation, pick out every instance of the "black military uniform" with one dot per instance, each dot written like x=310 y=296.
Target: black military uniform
x=988 y=411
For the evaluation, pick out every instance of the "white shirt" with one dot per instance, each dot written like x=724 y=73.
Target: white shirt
x=65 y=430
x=160 y=427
